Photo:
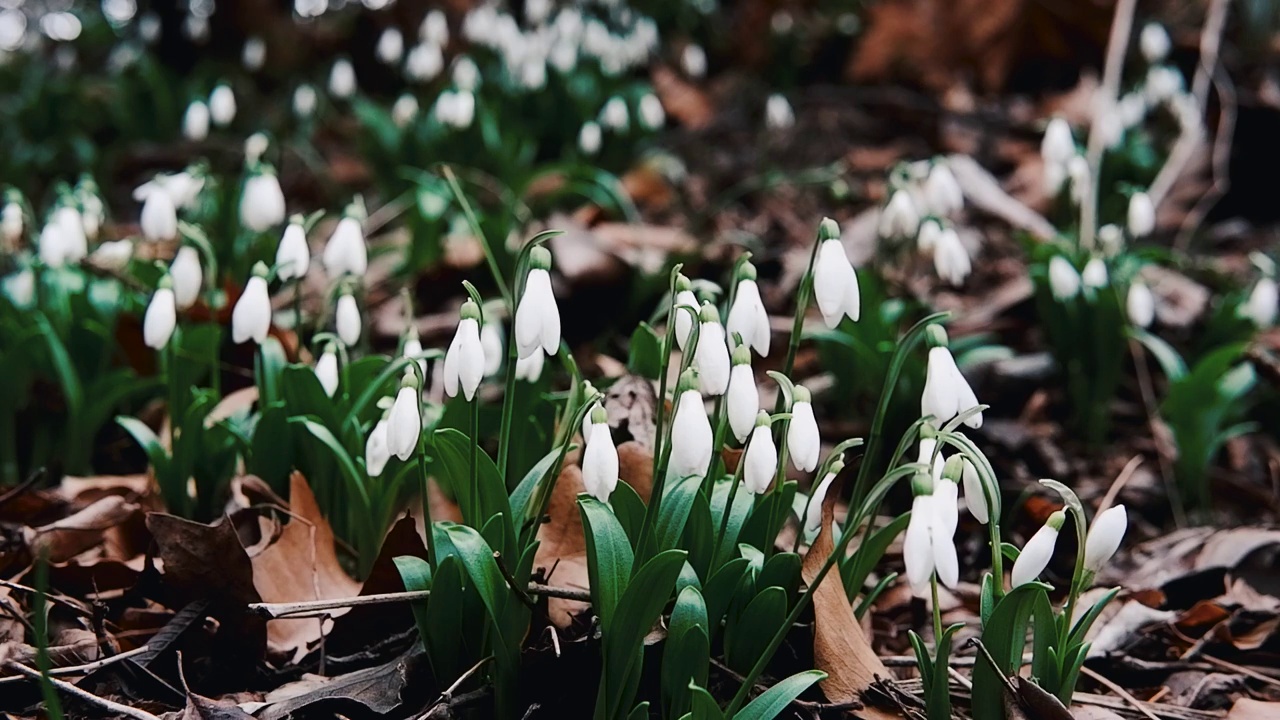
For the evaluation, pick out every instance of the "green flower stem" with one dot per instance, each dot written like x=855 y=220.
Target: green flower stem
x=508 y=298
x=728 y=506
x=426 y=503
x=937 y=618
x=797 y=323
x=668 y=342
x=475 y=459
x=717 y=446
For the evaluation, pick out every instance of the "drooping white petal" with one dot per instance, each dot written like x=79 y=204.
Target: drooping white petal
x=293 y=256
x=404 y=424
x=1035 y=556
x=327 y=372
x=251 y=318
x=1140 y=304
x=1104 y=537
x=347 y=320
x=491 y=341
x=537 y=323
x=530 y=369
x=761 y=460
x=684 y=322
x=1142 y=215
x=711 y=358
x=950 y=258
x=376 y=453
x=804 y=443
x=464 y=361
x=691 y=437
x=942 y=191
x=749 y=318
x=600 y=463
x=345 y=253
x=974 y=496
x=813 y=512
x=941 y=397
x=187 y=276
x=159 y=219
x=1064 y=281
x=835 y=284
x=917 y=545
x=743 y=399
x=262 y=202
x=1262 y=304
x=160 y=320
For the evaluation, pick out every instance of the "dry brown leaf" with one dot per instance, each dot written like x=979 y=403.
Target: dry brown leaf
x=1249 y=709
x=300 y=565
x=62 y=540
x=1093 y=712
x=840 y=648
x=683 y=101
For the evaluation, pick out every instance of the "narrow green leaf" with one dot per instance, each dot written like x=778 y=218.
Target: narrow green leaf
x=773 y=701
x=609 y=558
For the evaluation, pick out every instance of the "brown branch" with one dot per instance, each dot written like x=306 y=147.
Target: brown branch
x=86 y=668
x=1117 y=46
x=84 y=695
x=308 y=608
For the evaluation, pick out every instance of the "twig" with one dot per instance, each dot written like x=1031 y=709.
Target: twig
x=1121 y=480
x=86 y=668
x=1240 y=669
x=1153 y=422
x=447 y=695
x=1117 y=46
x=23 y=486
x=511 y=580
x=304 y=608
x=1220 y=161
x=84 y=695
x=954 y=673
x=1135 y=702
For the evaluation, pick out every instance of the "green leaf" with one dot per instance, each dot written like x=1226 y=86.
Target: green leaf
x=415 y=573
x=747 y=636
x=742 y=504
x=857 y=567
x=268 y=364
x=687 y=654
x=353 y=476
x=677 y=501
x=1170 y=361
x=635 y=614
x=704 y=706
x=629 y=509
x=523 y=493
x=719 y=590
x=639 y=712
x=938 y=699
x=782 y=570
x=773 y=701
x=646 y=352
x=1004 y=636
x=271 y=448
x=609 y=558
x=924 y=663
x=453 y=451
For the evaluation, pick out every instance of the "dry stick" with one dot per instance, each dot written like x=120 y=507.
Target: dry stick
x=1147 y=391
x=1135 y=702
x=303 y=609
x=1219 y=163
x=446 y=697
x=1117 y=46
x=1121 y=480
x=86 y=668
x=84 y=695
x=1241 y=669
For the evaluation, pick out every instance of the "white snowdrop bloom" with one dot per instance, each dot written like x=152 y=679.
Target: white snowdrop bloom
x=1064 y=281
x=1038 y=551
x=390 y=46
x=1140 y=304
x=491 y=341
x=327 y=370
x=1162 y=84
x=683 y=320
x=652 y=116
x=159 y=219
x=946 y=391
x=262 y=202
x=222 y=105
x=92 y=212
x=590 y=137
x=900 y=218
x=404 y=110
x=255 y=146
x=613 y=115
x=345 y=253
x=251 y=317
x=813 y=512
x=183 y=188
x=71 y=226
x=711 y=355
x=342 y=79
x=835 y=283
x=564 y=56
x=1104 y=537
x=254 y=54
x=1110 y=239
x=804 y=443
x=1142 y=215
x=743 y=396
x=404 y=423
x=974 y=495
x=293 y=254
x=52 y=246
x=304 y=101
x=950 y=258
x=434 y=29
x=1132 y=109
x=1109 y=125
x=691 y=437
x=600 y=458
x=1154 y=42
x=187 y=276
x=530 y=369
x=195 y=121
x=21 y=288
x=927 y=548
x=1094 y=275
x=928 y=455
x=942 y=192
x=1078 y=175
x=1057 y=146
x=927 y=237
x=376 y=453
x=12 y=223
x=465 y=359
x=346 y=319
x=1261 y=306
x=536 y=12
x=413 y=348
x=456 y=109
x=778 y=114
x=424 y=62
x=537 y=323
x=161 y=317
x=113 y=254
x=533 y=73
x=760 y=459
x=747 y=317
x=466 y=76
x=694 y=61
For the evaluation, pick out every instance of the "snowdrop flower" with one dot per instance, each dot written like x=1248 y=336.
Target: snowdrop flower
x=600 y=458
x=159 y=219
x=161 y=317
x=711 y=355
x=345 y=253
x=803 y=440
x=183 y=188
x=390 y=46
x=974 y=494
x=1142 y=215
x=412 y=348
x=652 y=116
x=1154 y=42
x=1038 y=551
x=1109 y=125
x=1064 y=281
x=1094 y=275
x=347 y=319
x=255 y=146
x=251 y=318
x=254 y=54
x=942 y=192
x=195 y=121
x=899 y=219
x=614 y=114
x=1104 y=537
x=53 y=245
x=835 y=283
x=537 y=323
x=694 y=61
x=927 y=237
x=464 y=362
x=12 y=221
x=456 y=109
x=434 y=28
x=491 y=341
x=424 y=63
x=1162 y=84
x=1140 y=304
x=187 y=276
x=1078 y=175
x=293 y=255
x=222 y=105
x=928 y=455
x=691 y=438
x=530 y=369
x=1057 y=146
x=1261 y=306
x=1132 y=109
x=946 y=392
x=760 y=458
x=1110 y=239
x=747 y=317
x=590 y=138
x=376 y=453
x=950 y=258
x=342 y=79
x=304 y=101
x=404 y=424
x=114 y=254
x=21 y=287
x=684 y=298
x=71 y=228
x=262 y=202
x=928 y=547
x=327 y=370
x=813 y=512
x=404 y=110
x=466 y=76
x=742 y=397
x=778 y=114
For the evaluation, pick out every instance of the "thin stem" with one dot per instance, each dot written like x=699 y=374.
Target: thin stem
x=476 y=519
x=717 y=446
x=797 y=323
x=728 y=506
x=668 y=342
x=426 y=503
x=474 y=222
x=937 y=617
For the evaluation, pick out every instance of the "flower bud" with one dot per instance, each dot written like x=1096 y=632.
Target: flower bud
x=304 y=101
x=222 y=106
x=1261 y=305
x=251 y=317
x=1094 y=275
x=342 y=79
x=464 y=362
x=327 y=370
x=347 y=319
x=293 y=254
x=1142 y=215
x=1036 y=554
x=683 y=321
x=652 y=116
x=974 y=494
x=691 y=437
x=1064 y=281
x=390 y=46
x=600 y=458
x=376 y=453
x=950 y=258
x=590 y=137
x=804 y=443
x=537 y=322
x=345 y=253
x=747 y=317
x=1057 y=146
x=778 y=113
x=711 y=356
x=195 y=121
x=404 y=424
x=1154 y=42
x=404 y=110
x=1104 y=537
x=942 y=192
x=927 y=238
x=159 y=220
x=262 y=202
x=760 y=458
x=813 y=512
x=835 y=284
x=946 y=391
x=742 y=397
x=693 y=60
x=161 y=317
x=900 y=218
x=614 y=115
x=1110 y=239
x=187 y=276
x=1140 y=304
x=254 y=54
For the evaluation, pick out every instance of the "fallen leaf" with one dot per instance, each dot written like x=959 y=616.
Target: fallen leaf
x=377 y=689
x=1249 y=709
x=1093 y=712
x=353 y=631
x=683 y=101
x=62 y=540
x=203 y=708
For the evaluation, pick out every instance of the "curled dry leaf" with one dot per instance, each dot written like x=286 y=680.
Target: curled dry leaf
x=62 y=540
